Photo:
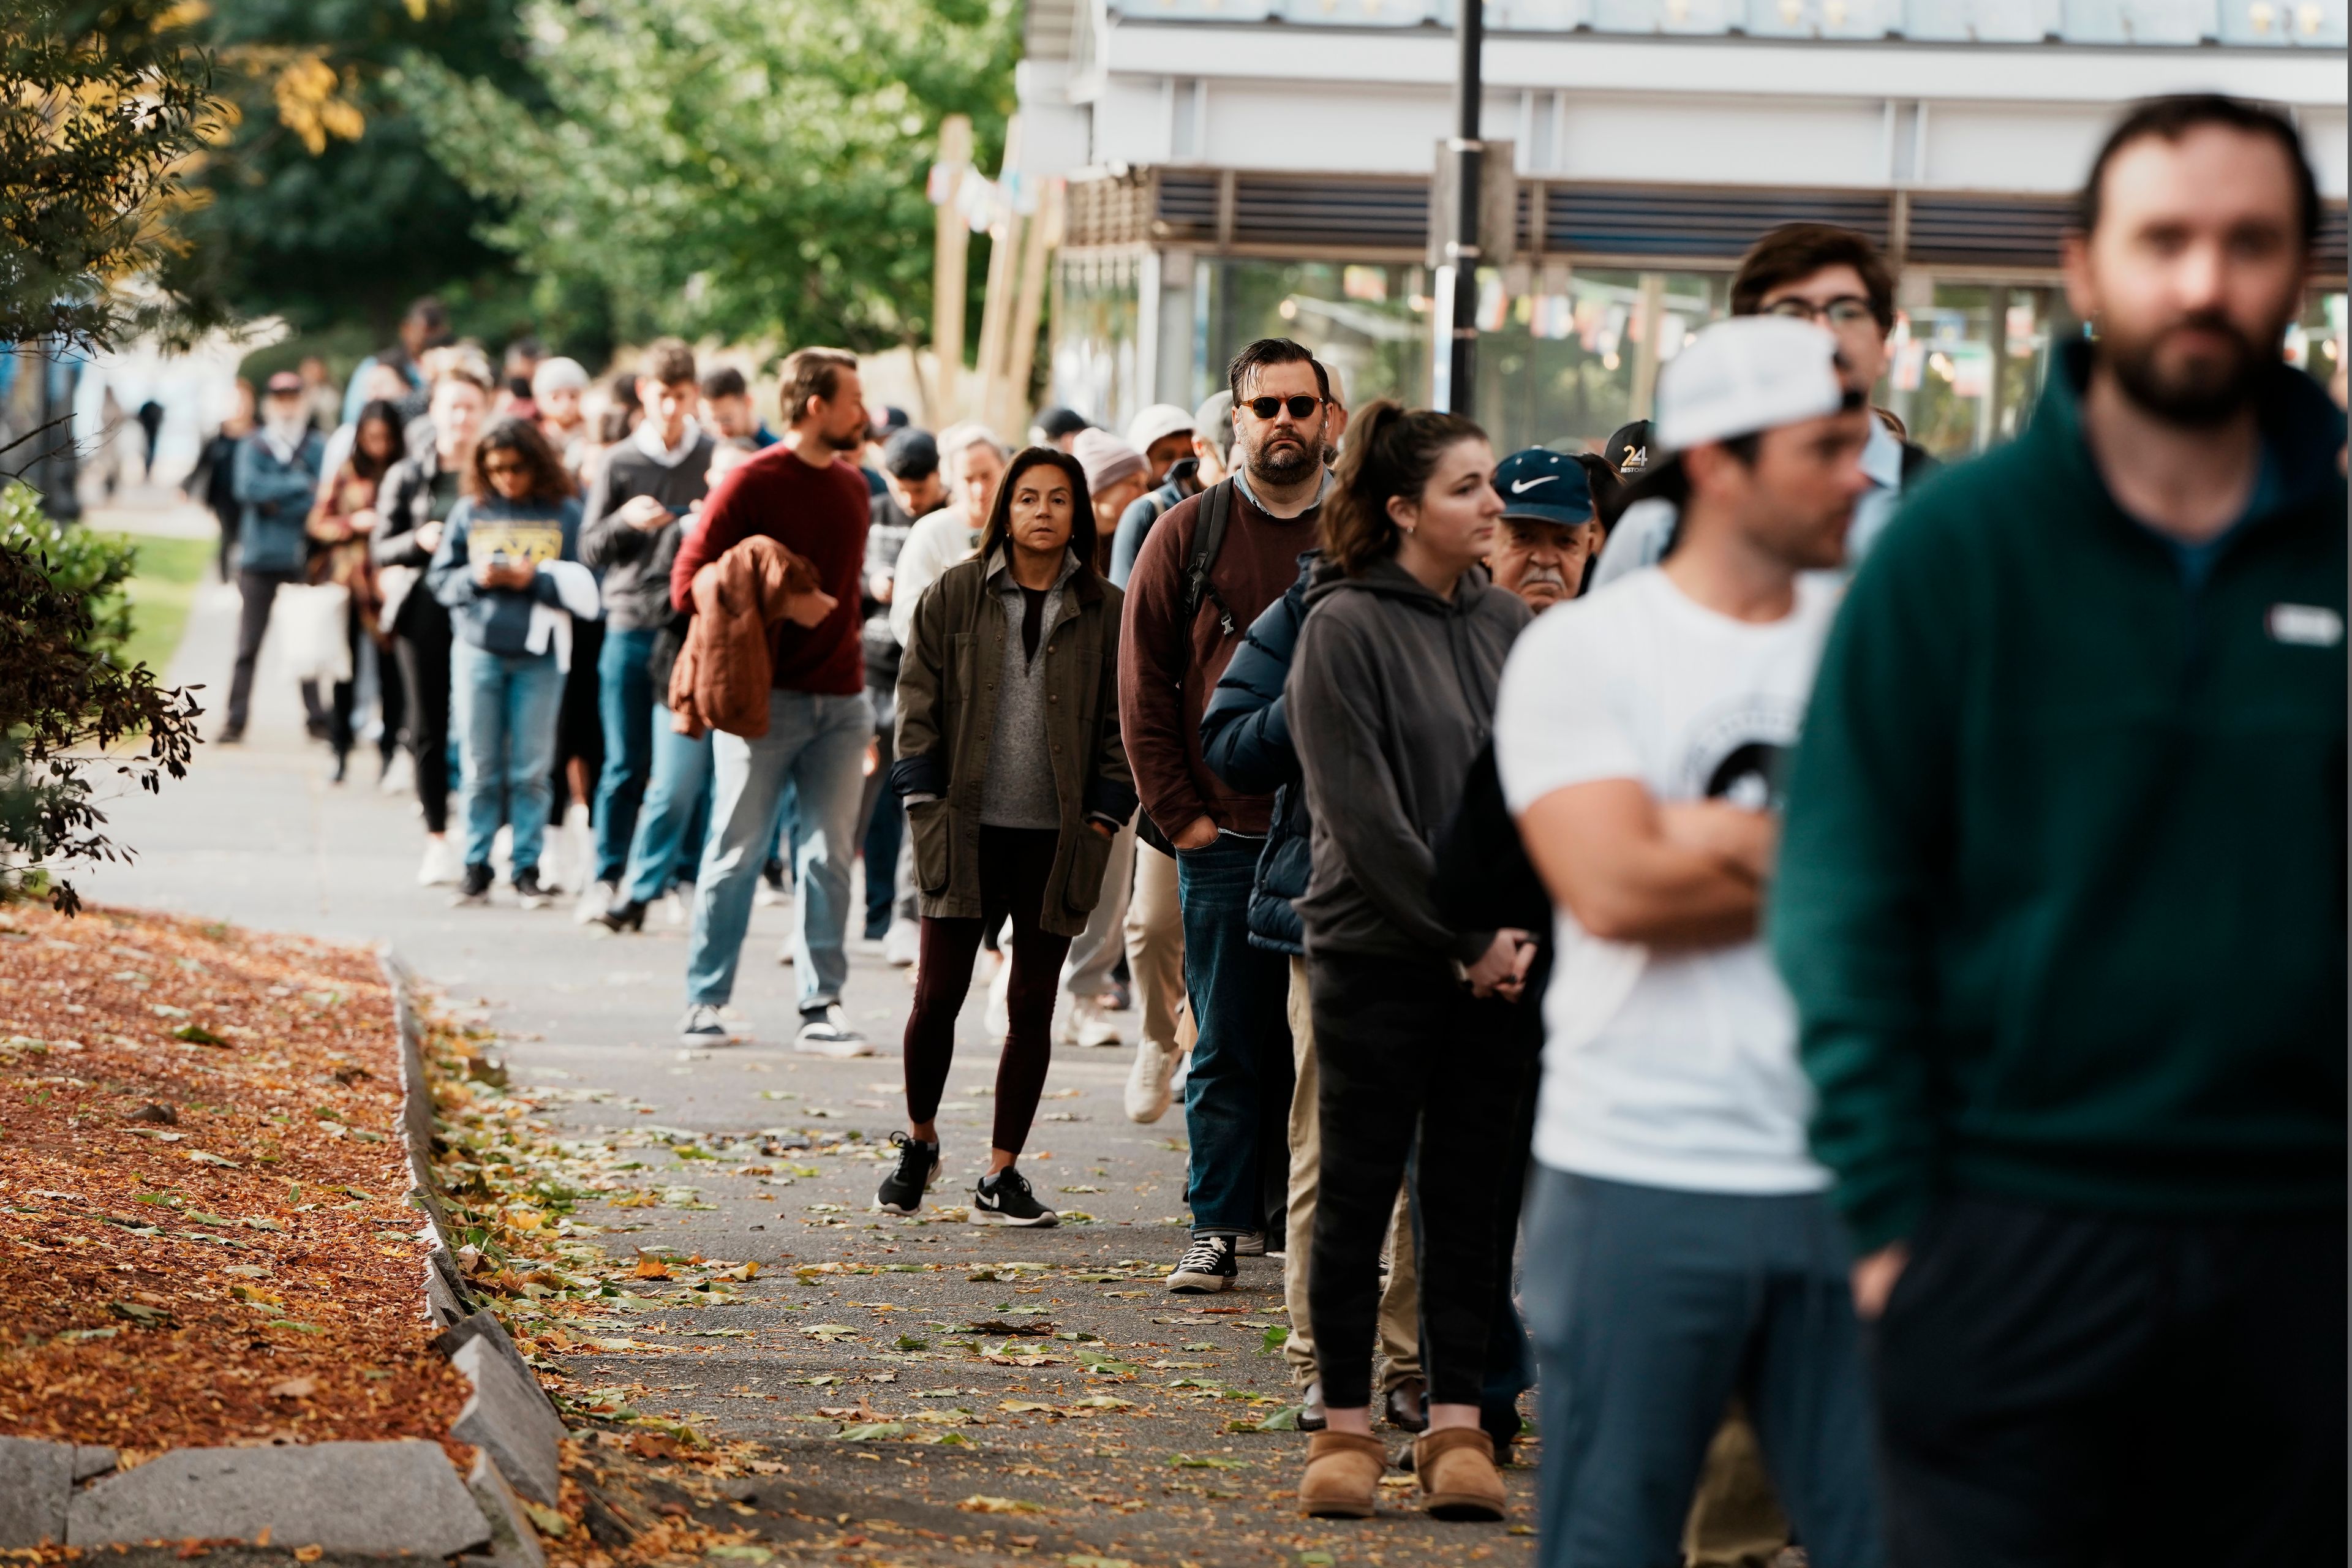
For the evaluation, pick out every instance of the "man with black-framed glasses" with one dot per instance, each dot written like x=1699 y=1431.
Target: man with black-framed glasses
x=1206 y=572
x=1835 y=278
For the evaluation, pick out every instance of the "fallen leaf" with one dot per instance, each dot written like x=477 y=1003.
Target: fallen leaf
x=293 y=1388
x=197 y=1035
x=979 y=1503
x=651 y=1269
x=871 y=1430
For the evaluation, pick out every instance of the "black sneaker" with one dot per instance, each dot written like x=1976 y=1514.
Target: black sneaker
x=1004 y=1198
x=773 y=873
x=919 y=1172
x=473 y=888
x=627 y=915
x=1206 y=1268
x=528 y=890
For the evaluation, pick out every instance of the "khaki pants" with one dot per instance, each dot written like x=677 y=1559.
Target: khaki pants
x=1735 y=1519
x=1155 y=951
x=1400 y=1302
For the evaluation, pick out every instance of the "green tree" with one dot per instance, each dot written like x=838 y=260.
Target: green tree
x=711 y=166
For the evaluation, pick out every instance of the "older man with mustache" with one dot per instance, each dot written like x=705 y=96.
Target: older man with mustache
x=1549 y=530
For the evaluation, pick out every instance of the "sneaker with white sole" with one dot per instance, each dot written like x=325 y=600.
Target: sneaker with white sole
x=902 y=943
x=1085 y=1022
x=441 y=868
x=1004 y=1198
x=1252 y=1245
x=678 y=905
x=594 y=901
x=532 y=893
x=919 y=1172
x=1206 y=1268
x=473 y=888
x=703 y=1026
x=827 y=1032
x=1148 y=1093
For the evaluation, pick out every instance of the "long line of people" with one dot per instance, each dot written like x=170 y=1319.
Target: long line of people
x=1951 y=1177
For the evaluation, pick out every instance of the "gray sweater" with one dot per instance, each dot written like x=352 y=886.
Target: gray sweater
x=1019 y=789
x=632 y=565
x=1391 y=695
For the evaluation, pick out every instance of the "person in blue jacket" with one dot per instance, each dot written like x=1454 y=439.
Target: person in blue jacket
x=275 y=479
x=508 y=569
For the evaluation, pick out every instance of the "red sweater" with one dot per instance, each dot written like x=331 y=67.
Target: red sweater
x=819 y=514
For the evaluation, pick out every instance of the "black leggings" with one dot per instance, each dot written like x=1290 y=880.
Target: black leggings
x=422 y=647
x=1413 y=1069
x=1014 y=866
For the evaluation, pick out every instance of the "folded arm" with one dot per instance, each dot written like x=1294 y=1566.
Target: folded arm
x=1630 y=871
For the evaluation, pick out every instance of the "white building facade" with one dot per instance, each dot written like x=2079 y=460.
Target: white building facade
x=1238 y=168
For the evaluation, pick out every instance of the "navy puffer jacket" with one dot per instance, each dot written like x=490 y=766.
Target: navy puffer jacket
x=1245 y=740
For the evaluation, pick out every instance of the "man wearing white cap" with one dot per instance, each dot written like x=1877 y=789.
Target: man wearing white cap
x=1680 y=1246
x=1163 y=434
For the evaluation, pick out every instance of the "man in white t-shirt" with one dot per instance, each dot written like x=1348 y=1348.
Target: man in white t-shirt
x=1680 y=1251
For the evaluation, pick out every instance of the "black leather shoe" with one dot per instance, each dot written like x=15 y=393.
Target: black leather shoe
x=1313 y=1415
x=1409 y=1406
x=627 y=915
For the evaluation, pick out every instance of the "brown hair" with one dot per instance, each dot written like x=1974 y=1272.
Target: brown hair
x=549 y=482
x=1244 y=366
x=2171 y=119
x=1391 y=451
x=1082 y=507
x=667 y=361
x=811 y=372
x=1796 y=250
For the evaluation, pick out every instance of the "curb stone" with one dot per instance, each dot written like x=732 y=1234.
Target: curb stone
x=36 y=1483
x=513 y=1543
x=508 y=1418
x=484 y=1325
x=401 y=1495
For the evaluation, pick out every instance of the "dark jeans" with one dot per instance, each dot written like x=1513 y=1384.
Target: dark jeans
x=1237 y=1100
x=884 y=816
x=257 y=592
x=1415 y=1073
x=422 y=649
x=1014 y=866
x=341 y=732
x=1510 y=1359
x=625 y=694
x=580 y=721
x=2058 y=1387
x=1651 y=1307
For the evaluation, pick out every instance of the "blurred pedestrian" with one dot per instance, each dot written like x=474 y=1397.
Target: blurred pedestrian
x=727 y=412
x=912 y=489
x=1211 y=440
x=342 y=522
x=424 y=326
x=277 y=477
x=1163 y=434
x=322 y=400
x=1058 y=428
x=557 y=388
x=1116 y=475
x=213 y=480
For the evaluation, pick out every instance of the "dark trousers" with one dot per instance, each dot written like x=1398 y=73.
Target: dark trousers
x=2059 y=1388
x=1014 y=866
x=579 y=723
x=1237 y=1097
x=257 y=591
x=1416 y=1074
x=423 y=651
x=344 y=701
x=884 y=816
x=1510 y=1359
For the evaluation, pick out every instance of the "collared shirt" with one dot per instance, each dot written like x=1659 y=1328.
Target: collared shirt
x=1241 y=479
x=649 y=442
x=1881 y=464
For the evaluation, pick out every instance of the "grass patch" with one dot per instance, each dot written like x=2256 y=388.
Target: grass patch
x=165 y=574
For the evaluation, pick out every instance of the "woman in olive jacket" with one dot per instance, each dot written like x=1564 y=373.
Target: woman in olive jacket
x=1015 y=781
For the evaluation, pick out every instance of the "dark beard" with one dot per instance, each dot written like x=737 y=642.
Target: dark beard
x=1293 y=464
x=2210 y=394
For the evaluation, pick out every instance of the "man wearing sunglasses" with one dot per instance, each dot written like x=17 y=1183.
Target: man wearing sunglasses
x=1836 y=279
x=1204 y=573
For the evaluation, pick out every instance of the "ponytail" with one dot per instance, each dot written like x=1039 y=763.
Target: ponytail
x=1391 y=451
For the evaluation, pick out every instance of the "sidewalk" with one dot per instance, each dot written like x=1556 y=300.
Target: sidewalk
x=256 y=834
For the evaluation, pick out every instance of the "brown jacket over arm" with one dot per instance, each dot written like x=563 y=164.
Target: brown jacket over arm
x=724 y=672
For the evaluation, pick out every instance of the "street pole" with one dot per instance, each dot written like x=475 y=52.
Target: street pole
x=1454 y=356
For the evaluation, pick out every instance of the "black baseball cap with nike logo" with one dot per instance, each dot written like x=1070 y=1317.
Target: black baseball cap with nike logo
x=1544 y=485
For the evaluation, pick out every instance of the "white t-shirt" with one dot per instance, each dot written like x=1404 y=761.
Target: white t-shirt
x=1669 y=1070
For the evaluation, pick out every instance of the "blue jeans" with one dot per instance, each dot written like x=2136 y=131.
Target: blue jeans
x=815 y=744
x=505 y=705
x=1237 y=1100
x=1651 y=1307
x=624 y=698
x=675 y=816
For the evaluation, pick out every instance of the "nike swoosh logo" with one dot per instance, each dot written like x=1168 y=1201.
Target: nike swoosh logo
x=1521 y=486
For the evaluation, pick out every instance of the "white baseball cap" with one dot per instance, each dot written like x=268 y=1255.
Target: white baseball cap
x=1156 y=423
x=1746 y=375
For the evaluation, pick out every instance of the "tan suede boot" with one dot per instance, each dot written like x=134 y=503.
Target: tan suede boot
x=1343 y=1475
x=1458 y=1478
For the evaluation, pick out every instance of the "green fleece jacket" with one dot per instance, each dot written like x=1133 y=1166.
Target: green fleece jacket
x=2062 y=886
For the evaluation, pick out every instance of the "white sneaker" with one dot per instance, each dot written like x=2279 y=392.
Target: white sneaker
x=595 y=900
x=440 y=867
x=1147 y=1091
x=902 y=943
x=575 y=850
x=704 y=1025
x=1085 y=1022
x=399 y=774
x=677 y=908
x=997 y=1019
x=827 y=1032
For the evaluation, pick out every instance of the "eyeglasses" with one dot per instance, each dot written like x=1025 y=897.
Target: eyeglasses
x=1300 y=406
x=494 y=469
x=1845 y=310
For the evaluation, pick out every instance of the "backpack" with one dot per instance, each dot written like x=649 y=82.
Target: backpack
x=1216 y=508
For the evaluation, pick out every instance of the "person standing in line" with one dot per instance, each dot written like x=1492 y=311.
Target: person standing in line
x=424 y=326
x=1391 y=692
x=1212 y=443
x=412 y=507
x=214 y=479
x=342 y=521
x=642 y=490
x=322 y=401
x=1209 y=569
x=508 y=571
x=804 y=494
x=276 y=479
x=1163 y=434
x=559 y=388
x=727 y=409
x=1015 y=784
x=1680 y=1246
x=2061 y=906
x=911 y=488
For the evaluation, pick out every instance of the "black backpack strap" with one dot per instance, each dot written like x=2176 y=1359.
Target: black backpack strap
x=1216 y=508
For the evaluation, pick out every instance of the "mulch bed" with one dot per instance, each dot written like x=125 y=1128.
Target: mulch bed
x=203 y=1233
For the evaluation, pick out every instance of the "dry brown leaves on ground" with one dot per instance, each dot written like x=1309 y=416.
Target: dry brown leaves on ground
x=203 y=1232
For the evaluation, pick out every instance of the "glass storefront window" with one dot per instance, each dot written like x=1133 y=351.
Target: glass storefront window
x=1096 y=367
x=1367 y=324
x=1577 y=356
x=1965 y=370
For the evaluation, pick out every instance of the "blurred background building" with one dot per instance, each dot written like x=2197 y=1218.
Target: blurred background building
x=1238 y=168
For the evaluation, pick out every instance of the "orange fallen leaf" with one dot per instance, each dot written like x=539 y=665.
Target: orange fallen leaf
x=652 y=1269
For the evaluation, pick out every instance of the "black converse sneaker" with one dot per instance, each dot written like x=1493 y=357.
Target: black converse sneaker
x=473 y=887
x=919 y=1171
x=1206 y=1268
x=1004 y=1198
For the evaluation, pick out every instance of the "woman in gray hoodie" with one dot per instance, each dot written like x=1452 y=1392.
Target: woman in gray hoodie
x=1390 y=694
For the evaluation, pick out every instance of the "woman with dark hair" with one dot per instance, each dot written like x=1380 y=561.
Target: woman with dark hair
x=508 y=569
x=1015 y=784
x=1390 y=694
x=341 y=522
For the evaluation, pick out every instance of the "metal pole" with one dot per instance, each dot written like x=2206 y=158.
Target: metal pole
x=1453 y=364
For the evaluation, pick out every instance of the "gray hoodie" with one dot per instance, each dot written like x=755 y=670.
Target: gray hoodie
x=1390 y=696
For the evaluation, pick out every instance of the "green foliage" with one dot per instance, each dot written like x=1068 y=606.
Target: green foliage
x=65 y=698
x=100 y=106
x=711 y=166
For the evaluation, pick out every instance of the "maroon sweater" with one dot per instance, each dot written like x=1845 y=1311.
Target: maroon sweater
x=816 y=514
x=1167 y=668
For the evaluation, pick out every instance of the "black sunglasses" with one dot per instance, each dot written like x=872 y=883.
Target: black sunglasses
x=1300 y=406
